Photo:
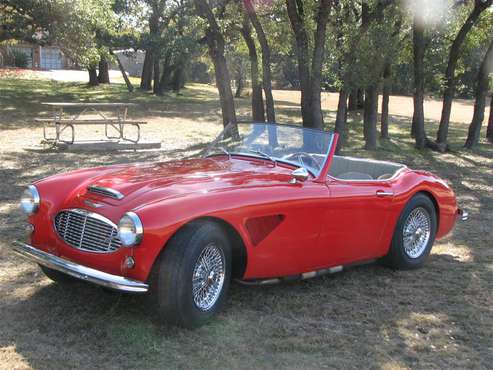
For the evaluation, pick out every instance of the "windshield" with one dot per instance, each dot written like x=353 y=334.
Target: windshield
x=301 y=147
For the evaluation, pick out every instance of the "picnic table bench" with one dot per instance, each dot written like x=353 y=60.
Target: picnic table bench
x=62 y=122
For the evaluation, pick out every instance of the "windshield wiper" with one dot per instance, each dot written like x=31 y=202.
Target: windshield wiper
x=222 y=150
x=264 y=155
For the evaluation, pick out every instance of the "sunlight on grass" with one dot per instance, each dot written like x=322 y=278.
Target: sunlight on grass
x=438 y=316
x=10 y=355
x=423 y=332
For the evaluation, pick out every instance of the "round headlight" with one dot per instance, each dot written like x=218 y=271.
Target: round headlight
x=130 y=229
x=30 y=200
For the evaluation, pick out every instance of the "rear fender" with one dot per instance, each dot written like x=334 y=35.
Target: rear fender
x=414 y=182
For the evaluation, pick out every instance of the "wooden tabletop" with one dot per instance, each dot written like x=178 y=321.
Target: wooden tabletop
x=88 y=105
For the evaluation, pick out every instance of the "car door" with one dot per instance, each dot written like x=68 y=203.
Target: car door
x=284 y=232
x=356 y=215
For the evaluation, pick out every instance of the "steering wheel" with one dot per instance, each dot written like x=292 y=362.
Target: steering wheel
x=304 y=159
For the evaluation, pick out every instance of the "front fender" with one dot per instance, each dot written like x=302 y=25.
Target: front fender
x=163 y=219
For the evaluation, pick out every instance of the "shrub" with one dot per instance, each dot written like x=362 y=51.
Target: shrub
x=20 y=59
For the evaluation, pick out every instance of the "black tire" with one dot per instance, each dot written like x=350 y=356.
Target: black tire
x=171 y=285
x=397 y=257
x=57 y=276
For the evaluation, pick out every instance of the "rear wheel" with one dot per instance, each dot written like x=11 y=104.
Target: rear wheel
x=414 y=234
x=192 y=275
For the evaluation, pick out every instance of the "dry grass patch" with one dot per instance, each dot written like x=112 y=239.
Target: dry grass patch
x=367 y=317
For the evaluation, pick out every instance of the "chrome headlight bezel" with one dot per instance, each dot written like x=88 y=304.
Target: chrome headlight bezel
x=30 y=200
x=130 y=229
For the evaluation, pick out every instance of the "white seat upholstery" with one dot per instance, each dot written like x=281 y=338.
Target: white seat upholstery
x=349 y=168
x=354 y=176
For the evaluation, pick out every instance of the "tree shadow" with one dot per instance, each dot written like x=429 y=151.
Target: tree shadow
x=386 y=315
x=369 y=316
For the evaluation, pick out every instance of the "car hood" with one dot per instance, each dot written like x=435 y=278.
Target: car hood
x=147 y=182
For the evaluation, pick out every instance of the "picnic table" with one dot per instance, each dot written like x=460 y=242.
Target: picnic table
x=62 y=120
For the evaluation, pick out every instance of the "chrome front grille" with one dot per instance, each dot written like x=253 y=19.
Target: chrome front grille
x=87 y=231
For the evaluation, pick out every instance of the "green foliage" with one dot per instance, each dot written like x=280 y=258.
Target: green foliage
x=80 y=33
x=86 y=29
x=31 y=20
x=472 y=55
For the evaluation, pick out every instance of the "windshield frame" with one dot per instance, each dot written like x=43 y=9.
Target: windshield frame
x=320 y=177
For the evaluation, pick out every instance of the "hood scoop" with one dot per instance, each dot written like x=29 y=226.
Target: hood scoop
x=105 y=192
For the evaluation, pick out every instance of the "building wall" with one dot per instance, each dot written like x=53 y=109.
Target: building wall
x=40 y=57
x=132 y=61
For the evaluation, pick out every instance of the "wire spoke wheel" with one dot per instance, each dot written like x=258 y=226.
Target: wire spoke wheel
x=208 y=277
x=416 y=232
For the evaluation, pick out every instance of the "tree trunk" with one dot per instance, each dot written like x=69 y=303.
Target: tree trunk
x=361 y=99
x=150 y=72
x=384 y=119
x=317 y=62
x=104 y=75
x=295 y=15
x=266 y=61
x=215 y=44
x=147 y=69
x=455 y=49
x=178 y=78
x=166 y=77
x=239 y=85
x=418 y=123
x=130 y=87
x=352 y=101
x=258 y=113
x=489 y=129
x=342 y=106
x=480 y=95
x=93 y=76
x=167 y=70
x=310 y=81
x=370 y=117
x=340 y=126
x=156 y=74
x=224 y=87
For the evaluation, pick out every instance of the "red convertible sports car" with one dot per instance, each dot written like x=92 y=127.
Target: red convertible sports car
x=266 y=203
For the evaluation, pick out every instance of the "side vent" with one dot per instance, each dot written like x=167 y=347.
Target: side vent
x=260 y=227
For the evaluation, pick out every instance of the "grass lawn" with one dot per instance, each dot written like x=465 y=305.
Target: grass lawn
x=440 y=316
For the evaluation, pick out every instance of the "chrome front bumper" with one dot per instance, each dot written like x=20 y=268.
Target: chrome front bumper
x=79 y=271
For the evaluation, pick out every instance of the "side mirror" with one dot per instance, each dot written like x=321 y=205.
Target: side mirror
x=299 y=174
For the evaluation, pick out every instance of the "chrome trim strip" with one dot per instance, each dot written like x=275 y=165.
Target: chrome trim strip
x=92 y=204
x=462 y=215
x=87 y=213
x=37 y=198
x=303 y=276
x=139 y=229
x=79 y=271
x=101 y=189
x=383 y=193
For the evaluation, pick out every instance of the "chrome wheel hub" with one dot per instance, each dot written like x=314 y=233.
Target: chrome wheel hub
x=208 y=277
x=417 y=231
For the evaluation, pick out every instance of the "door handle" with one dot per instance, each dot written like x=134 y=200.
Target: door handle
x=383 y=193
